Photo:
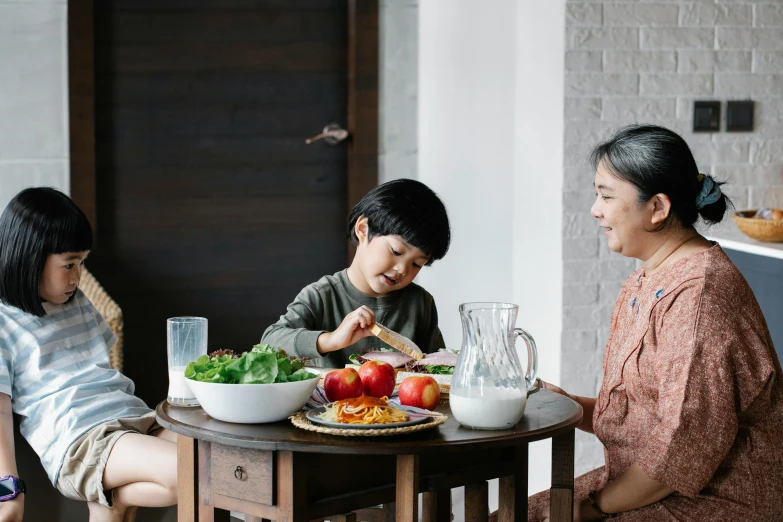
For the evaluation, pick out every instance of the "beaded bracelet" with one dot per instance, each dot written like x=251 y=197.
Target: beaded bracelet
x=594 y=503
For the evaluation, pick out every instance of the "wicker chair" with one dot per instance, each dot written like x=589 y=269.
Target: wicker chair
x=110 y=311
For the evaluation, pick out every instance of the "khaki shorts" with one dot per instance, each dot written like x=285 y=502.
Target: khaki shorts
x=81 y=475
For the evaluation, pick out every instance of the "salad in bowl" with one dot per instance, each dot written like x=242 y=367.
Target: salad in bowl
x=259 y=386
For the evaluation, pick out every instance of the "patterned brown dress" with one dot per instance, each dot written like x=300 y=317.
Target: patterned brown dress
x=692 y=392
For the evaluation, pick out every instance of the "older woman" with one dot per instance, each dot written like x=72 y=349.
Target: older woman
x=690 y=411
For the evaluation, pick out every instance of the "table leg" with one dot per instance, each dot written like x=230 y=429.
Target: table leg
x=436 y=506
x=187 y=479
x=407 y=488
x=206 y=509
x=477 y=502
x=512 y=494
x=291 y=487
x=561 y=496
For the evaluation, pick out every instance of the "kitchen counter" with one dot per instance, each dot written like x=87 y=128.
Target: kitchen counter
x=762 y=266
x=728 y=236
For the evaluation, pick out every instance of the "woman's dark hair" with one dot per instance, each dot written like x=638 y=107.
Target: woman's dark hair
x=37 y=223
x=658 y=161
x=405 y=208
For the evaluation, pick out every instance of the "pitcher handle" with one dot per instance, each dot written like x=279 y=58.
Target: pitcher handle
x=532 y=357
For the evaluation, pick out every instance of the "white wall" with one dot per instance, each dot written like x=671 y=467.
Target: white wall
x=466 y=148
x=33 y=96
x=490 y=143
x=538 y=194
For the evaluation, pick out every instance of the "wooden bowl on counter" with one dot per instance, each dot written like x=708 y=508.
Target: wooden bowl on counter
x=769 y=230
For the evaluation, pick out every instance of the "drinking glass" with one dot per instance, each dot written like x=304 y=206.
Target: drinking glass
x=186 y=341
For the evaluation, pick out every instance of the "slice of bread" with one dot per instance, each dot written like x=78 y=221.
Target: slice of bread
x=397 y=341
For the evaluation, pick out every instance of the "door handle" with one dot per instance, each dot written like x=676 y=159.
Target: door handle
x=332 y=135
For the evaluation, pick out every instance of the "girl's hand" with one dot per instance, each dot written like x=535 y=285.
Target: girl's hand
x=355 y=326
x=12 y=510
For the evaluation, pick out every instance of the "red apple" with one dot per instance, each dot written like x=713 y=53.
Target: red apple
x=342 y=384
x=377 y=378
x=421 y=391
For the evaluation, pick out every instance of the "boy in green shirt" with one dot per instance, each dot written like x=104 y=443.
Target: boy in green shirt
x=398 y=228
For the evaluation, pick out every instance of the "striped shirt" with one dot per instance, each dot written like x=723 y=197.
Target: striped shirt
x=56 y=370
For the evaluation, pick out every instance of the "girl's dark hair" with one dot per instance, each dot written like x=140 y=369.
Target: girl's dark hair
x=405 y=208
x=658 y=161
x=37 y=223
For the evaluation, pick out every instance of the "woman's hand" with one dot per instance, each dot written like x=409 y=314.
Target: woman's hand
x=355 y=326
x=583 y=512
x=587 y=404
x=631 y=490
x=12 y=510
x=551 y=387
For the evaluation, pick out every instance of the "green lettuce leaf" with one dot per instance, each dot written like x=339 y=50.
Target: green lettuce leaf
x=263 y=364
x=300 y=375
x=438 y=369
x=254 y=368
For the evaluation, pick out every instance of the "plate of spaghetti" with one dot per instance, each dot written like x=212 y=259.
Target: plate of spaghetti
x=368 y=413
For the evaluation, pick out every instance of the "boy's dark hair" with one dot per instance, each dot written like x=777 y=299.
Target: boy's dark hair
x=38 y=222
x=658 y=161
x=405 y=208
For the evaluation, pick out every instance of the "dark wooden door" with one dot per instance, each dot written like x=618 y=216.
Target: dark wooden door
x=207 y=200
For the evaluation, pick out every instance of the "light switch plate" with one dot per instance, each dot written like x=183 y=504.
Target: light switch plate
x=739 y=116
x=706 y=116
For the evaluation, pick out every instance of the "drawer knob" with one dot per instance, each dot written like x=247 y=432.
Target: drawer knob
x=239 y=473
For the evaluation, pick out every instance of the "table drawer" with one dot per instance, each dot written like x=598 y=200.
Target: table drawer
x=241 y=473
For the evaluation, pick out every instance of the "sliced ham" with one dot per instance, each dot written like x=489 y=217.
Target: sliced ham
x=443 y=380
x=441 y=358
x=396 y=359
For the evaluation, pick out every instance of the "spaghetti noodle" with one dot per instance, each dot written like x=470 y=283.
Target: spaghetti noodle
x=363 y=410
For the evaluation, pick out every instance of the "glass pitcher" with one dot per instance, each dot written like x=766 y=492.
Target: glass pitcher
x=489 y=390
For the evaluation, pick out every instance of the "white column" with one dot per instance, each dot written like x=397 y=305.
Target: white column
x=538 y=193
x=466 y=147
x=491 y=144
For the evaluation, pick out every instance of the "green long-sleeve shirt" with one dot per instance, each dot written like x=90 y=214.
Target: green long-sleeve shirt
x=321 y=307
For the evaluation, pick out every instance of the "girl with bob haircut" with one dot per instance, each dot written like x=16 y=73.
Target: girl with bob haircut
x=96 y=440
x=691 y=404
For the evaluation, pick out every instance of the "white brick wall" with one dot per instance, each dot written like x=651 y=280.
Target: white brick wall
x=646 y=62
x=33 y=96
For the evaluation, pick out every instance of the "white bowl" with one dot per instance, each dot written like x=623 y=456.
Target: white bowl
x=252 y=403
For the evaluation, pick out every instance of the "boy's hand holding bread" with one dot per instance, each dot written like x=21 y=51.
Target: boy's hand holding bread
x=354 y=327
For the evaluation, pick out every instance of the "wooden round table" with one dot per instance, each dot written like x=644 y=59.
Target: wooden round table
x=280 y=472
